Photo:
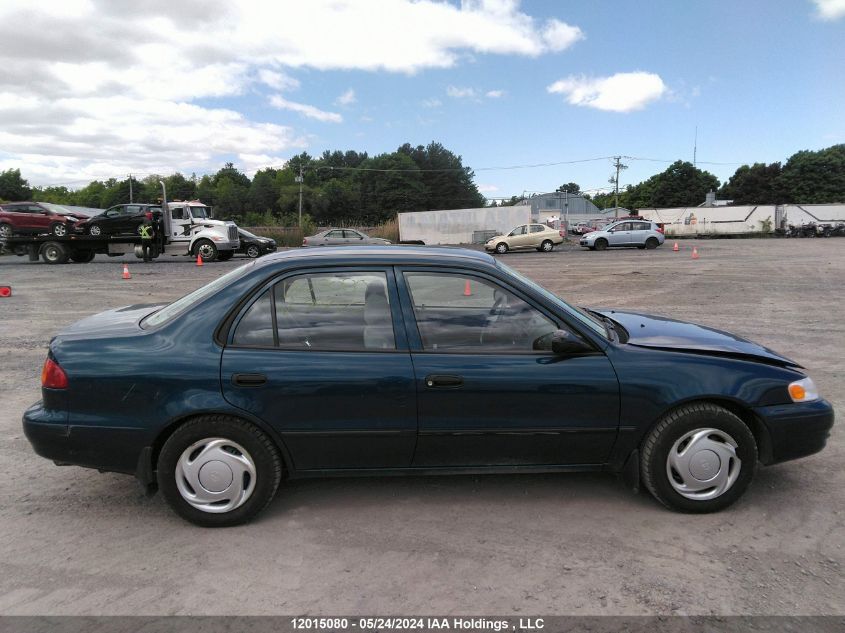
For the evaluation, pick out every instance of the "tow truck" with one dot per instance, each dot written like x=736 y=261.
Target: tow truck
x=184 y=227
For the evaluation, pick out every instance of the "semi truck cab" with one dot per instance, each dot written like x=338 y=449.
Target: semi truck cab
x=190 y=224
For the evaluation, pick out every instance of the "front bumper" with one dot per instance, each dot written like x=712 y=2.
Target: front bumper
x=227 y=246
x=795 y=430
x=113 y=449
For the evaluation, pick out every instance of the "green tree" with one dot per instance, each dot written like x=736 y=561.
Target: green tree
x=815 y=177
x=755 y=184
x=448 y=184
x=394 y=185
x=571 y=187
x=13 y=187
x=680 y=185
x=264 y=191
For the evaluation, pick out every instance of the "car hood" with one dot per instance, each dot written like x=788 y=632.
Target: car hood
x=108 y=324
x=645 y=330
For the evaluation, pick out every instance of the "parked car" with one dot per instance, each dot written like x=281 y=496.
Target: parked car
x=581 y=228
x=537 y=236
x=639 y=233
x=254 y=245
x=410 y=360
x=342 y=237
x=119 y=219
x=33 y=218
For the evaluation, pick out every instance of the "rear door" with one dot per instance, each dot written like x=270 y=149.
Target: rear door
x=335 y=238
x=321 y=355
x=537 y=234
x=353 y=237
x=640 y=233
x=490 y=392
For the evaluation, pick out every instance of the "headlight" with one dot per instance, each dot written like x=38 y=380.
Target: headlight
x=803 y=390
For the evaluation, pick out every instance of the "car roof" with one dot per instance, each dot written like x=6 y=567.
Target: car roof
x=393 y=254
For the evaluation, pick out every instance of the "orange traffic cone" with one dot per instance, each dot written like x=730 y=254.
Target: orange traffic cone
x=467 y=289
x=5 y=291
x=199 y=259
x=126 y=274
x=675 y=247
x=694 y=252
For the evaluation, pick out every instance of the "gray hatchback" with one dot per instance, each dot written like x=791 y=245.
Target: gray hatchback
x=639 y=233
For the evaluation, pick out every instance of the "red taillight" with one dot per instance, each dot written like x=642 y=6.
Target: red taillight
x=561 y=233
x=660 y=229
x=149 y=215
x=305 y=241
x=53 y=376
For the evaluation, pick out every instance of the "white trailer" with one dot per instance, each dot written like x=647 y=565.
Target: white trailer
x=457 y=226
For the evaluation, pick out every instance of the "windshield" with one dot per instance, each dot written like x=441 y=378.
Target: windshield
x=247 y=233
x=200 y=213
x=169 y=312
x=580 y=315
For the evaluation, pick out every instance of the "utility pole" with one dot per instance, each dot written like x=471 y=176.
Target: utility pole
x=618 y=164
x=299 y=180
x=695 y=146
x=130 y=188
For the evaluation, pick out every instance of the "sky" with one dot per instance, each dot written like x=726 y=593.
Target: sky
x=531 y=94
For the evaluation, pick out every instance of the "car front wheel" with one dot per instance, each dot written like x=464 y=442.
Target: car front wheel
x=5 y=231
x=216 y=471
x=601 y=244
x=59 y=229
x=253 y=251
x=501 y=248
x=698 y=458
x=95 y=230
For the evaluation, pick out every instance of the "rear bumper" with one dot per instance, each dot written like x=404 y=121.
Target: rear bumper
x=795 y=430
x=113 y=449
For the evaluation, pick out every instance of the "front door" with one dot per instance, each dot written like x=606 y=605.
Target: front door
x=490 y=391
x=322 y=357
x=621 y=234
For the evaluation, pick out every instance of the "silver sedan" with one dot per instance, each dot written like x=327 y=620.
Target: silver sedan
x=342 y=237
x=639 y=233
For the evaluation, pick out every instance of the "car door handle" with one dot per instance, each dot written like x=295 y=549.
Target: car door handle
x=435 y=380
x=249 y=380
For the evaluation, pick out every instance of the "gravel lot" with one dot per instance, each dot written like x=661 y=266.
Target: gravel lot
x=73 y=541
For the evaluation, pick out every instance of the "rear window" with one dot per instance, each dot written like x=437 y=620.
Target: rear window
x=170 y=312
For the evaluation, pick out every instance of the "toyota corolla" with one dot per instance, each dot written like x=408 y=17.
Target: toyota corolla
x=392 y=360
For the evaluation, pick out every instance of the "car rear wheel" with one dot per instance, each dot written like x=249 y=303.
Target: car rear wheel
x=216 y=471
x=651 y=243
x=698 y=458
x=59 y=229
x=95 y=230
x=253 y=251
x=501 y=248
x=206 y=249
x=5 y=230
x=601 y=244
x=547 y=246
x=54 y=253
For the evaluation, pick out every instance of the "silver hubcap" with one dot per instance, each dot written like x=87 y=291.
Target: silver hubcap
x=95 y=230
x=60 y=230
x=252 y=251
x=703 y=464
x=547 y=246
x=501 y=248
x=5 y=231
x=206 y=251
x=215 y=475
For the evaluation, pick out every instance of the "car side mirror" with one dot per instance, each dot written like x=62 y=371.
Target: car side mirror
x=564 y=343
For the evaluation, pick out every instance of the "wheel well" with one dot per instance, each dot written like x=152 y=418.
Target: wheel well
x=758 y=428
x=167 y=431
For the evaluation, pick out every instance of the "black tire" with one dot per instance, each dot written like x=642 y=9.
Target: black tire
x=59 y=229
x=225 y=256
x=501 y=248
x=82 y=257
x=652 y=243
x=601 y=244
x=54 y=253
x=660 y=440
x=641 y=247
x=547 y=246
x=265 y=455
x=6 y=230
x=206 y=249
x=95 y=229
x=253 y=251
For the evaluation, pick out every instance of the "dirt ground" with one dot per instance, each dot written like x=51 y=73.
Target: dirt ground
x=73 y=541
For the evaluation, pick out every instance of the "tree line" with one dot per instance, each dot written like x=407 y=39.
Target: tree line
x=353 y=187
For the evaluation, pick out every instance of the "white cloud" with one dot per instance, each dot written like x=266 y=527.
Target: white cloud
x=487 y=188
x=277 y=80
x=432 y=103
x=494 y=94
x=156 y=57
x=347 y=98
x=278 y=101
x=460 y=93
x=622 y=92
x=830 y=9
